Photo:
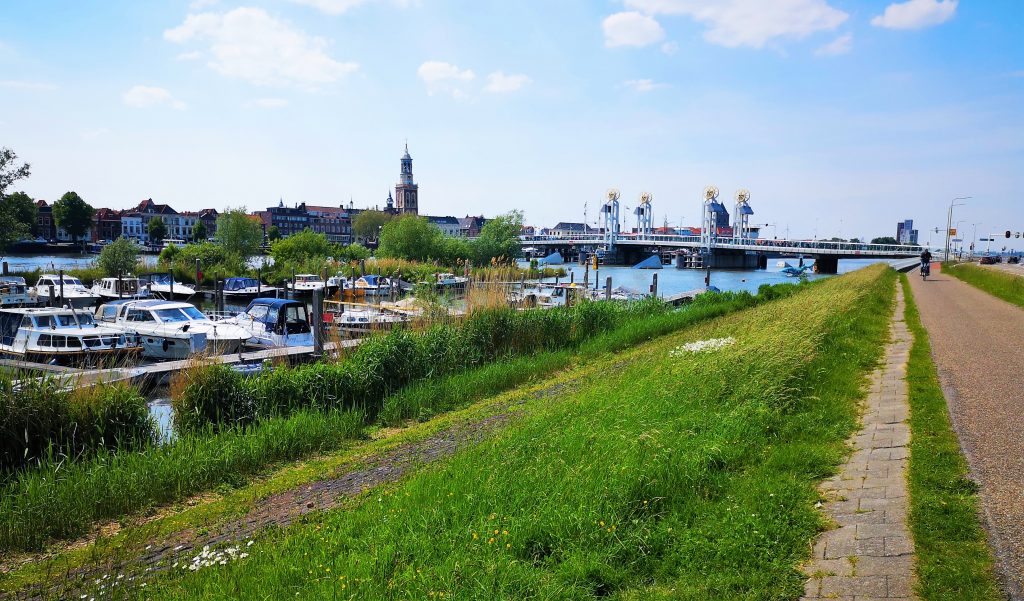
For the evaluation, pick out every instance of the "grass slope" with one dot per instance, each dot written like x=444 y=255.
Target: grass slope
x=673 y=474
x=953 y=557
x=996 y=282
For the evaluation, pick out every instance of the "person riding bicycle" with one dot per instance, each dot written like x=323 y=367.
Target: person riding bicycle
x=926 y=262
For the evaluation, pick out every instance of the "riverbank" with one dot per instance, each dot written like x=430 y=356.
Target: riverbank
x=774 y=346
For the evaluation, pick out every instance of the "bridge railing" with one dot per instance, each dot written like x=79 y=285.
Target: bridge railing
x=767 y=244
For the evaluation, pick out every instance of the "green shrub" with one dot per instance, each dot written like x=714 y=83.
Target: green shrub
x=213 y=394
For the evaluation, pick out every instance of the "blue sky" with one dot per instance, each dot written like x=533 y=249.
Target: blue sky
x=841 y=117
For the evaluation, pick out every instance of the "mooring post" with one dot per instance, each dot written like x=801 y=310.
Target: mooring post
x=6 y=268
x=52 y=292
x=60 y=274
x=572 y=277
x=293 y=285
x=707 y=277
x=169 y=294
x=608 y=288
x=318 y=323
x=586 y=275
x=120 y=286
x=199 y=274
x=654 y=286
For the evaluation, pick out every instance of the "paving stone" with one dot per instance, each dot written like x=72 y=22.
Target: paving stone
x=869 y=555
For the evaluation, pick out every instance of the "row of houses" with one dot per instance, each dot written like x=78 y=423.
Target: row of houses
x=109 y=224
x=336 y=222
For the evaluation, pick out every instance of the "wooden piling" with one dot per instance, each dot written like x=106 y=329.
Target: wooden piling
x=608 y=288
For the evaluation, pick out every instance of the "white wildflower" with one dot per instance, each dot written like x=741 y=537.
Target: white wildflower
x=701 y=346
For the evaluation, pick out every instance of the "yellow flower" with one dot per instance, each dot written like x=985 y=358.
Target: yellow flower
x=504 y=532
x=495 y=531
x=491 y=540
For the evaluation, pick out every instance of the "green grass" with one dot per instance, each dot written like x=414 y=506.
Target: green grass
x=659 y=475
x=996 y=282
x=953 y=557
x=113 y=485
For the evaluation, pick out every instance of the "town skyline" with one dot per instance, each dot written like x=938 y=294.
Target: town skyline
x=907 y=111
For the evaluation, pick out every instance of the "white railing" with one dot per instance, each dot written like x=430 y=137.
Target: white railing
x=756 y=244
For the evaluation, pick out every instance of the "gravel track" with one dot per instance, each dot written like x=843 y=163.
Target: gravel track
x=978 y=346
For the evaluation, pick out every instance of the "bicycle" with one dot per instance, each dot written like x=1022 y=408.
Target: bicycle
x=926 y=270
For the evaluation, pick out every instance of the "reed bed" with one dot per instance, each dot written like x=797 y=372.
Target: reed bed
x=674 y=474
x=42 y=419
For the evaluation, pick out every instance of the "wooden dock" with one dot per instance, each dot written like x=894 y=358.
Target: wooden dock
x=155 y=372
x=681 y=298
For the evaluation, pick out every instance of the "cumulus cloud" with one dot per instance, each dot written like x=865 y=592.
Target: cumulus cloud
x=249 y=44
x=444 y=77
x=498 y=82
x=915 y=14
x=190 y=56
x=268 y=103
x=146 y=96
x=643 y=85
x=840 y=45
x=752 y=23
x=631 y=29
x=670 y=48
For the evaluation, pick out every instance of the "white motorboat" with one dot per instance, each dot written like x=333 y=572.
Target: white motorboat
x=163 y=285
x=64 y=336
x=335 y=284
x=362 y=318
x=373 y=285
x=247 y=288
x=171 y=329
x=73 y=293
x=120 y=288
x=14 y=292
x=305 y=284
x=450 y=280
x=274 y=322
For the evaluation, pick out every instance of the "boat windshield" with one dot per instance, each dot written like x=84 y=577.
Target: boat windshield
x=160 y=278
x=308 y=278
x=72 y=281
x=193 y=313
x=62 y=320
x=240 y=283
x=171 y=315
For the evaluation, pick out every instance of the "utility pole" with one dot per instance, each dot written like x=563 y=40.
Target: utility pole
x=949 y=219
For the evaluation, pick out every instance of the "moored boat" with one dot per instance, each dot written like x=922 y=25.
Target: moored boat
x=63 y=336
x=305 y=284
x=373 y=285
x=14 y=292
x=68 y=291
x=124 y=287
x=274 y=322
x=172 y=329
x=163 y=285
x=247 y=289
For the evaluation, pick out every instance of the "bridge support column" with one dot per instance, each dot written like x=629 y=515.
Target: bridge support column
x=826 y=265
x=762 y=261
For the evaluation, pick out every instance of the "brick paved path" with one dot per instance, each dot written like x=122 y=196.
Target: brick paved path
x=870 y=555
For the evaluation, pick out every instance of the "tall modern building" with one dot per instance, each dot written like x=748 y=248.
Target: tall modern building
x=406 y=191
x=905 y=232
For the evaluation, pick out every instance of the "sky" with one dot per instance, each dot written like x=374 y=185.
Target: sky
x=841 y=117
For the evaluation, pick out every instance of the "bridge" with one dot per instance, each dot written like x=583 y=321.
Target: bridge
x=716 y=251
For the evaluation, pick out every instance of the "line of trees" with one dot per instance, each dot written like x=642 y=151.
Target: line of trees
x=416 y=239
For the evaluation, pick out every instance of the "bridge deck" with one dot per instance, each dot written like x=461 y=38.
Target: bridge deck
x=763 y=245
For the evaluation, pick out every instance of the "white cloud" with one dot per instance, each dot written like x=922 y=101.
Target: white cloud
x=498 y=82
x=145 y=96
x=840 y=45
x=670 y=48
x=268 y=103
x=444 y=77
x=92 y=134
x=38 y=86
x=643 y=85
x=752 y=23
x=915 y=14
x=197 y=5
x=247 y=43
x=190 y=56
x=331 y=7
x=631 y=29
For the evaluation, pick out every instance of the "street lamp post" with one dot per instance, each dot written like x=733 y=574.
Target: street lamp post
x=949 y=219
x=974 y=237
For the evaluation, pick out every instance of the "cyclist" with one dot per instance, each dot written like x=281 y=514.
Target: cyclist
x=926 y=263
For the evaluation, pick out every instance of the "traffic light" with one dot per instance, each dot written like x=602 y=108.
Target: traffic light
x=1008 y=233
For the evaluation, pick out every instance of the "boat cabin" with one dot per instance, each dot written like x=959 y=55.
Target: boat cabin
x=280 y=316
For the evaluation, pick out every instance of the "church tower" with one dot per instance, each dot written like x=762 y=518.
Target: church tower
x=406 y=191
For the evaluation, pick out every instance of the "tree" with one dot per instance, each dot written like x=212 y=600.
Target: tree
x=301 y=247
x=73 y=215
x=499 y=239
x=199 y=231
x=157 y=230
x=239 y=233
x=411 y=237
x=9 y=172
x=884 y=240
x=22 y=208
x=274 y=233
x=855 y=240
x=367 y=224
x=120 y=256
x=11 y=227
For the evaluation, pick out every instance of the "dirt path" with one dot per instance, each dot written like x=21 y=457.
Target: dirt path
x=978 y=347
x=178 y=550
x=870 y=554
